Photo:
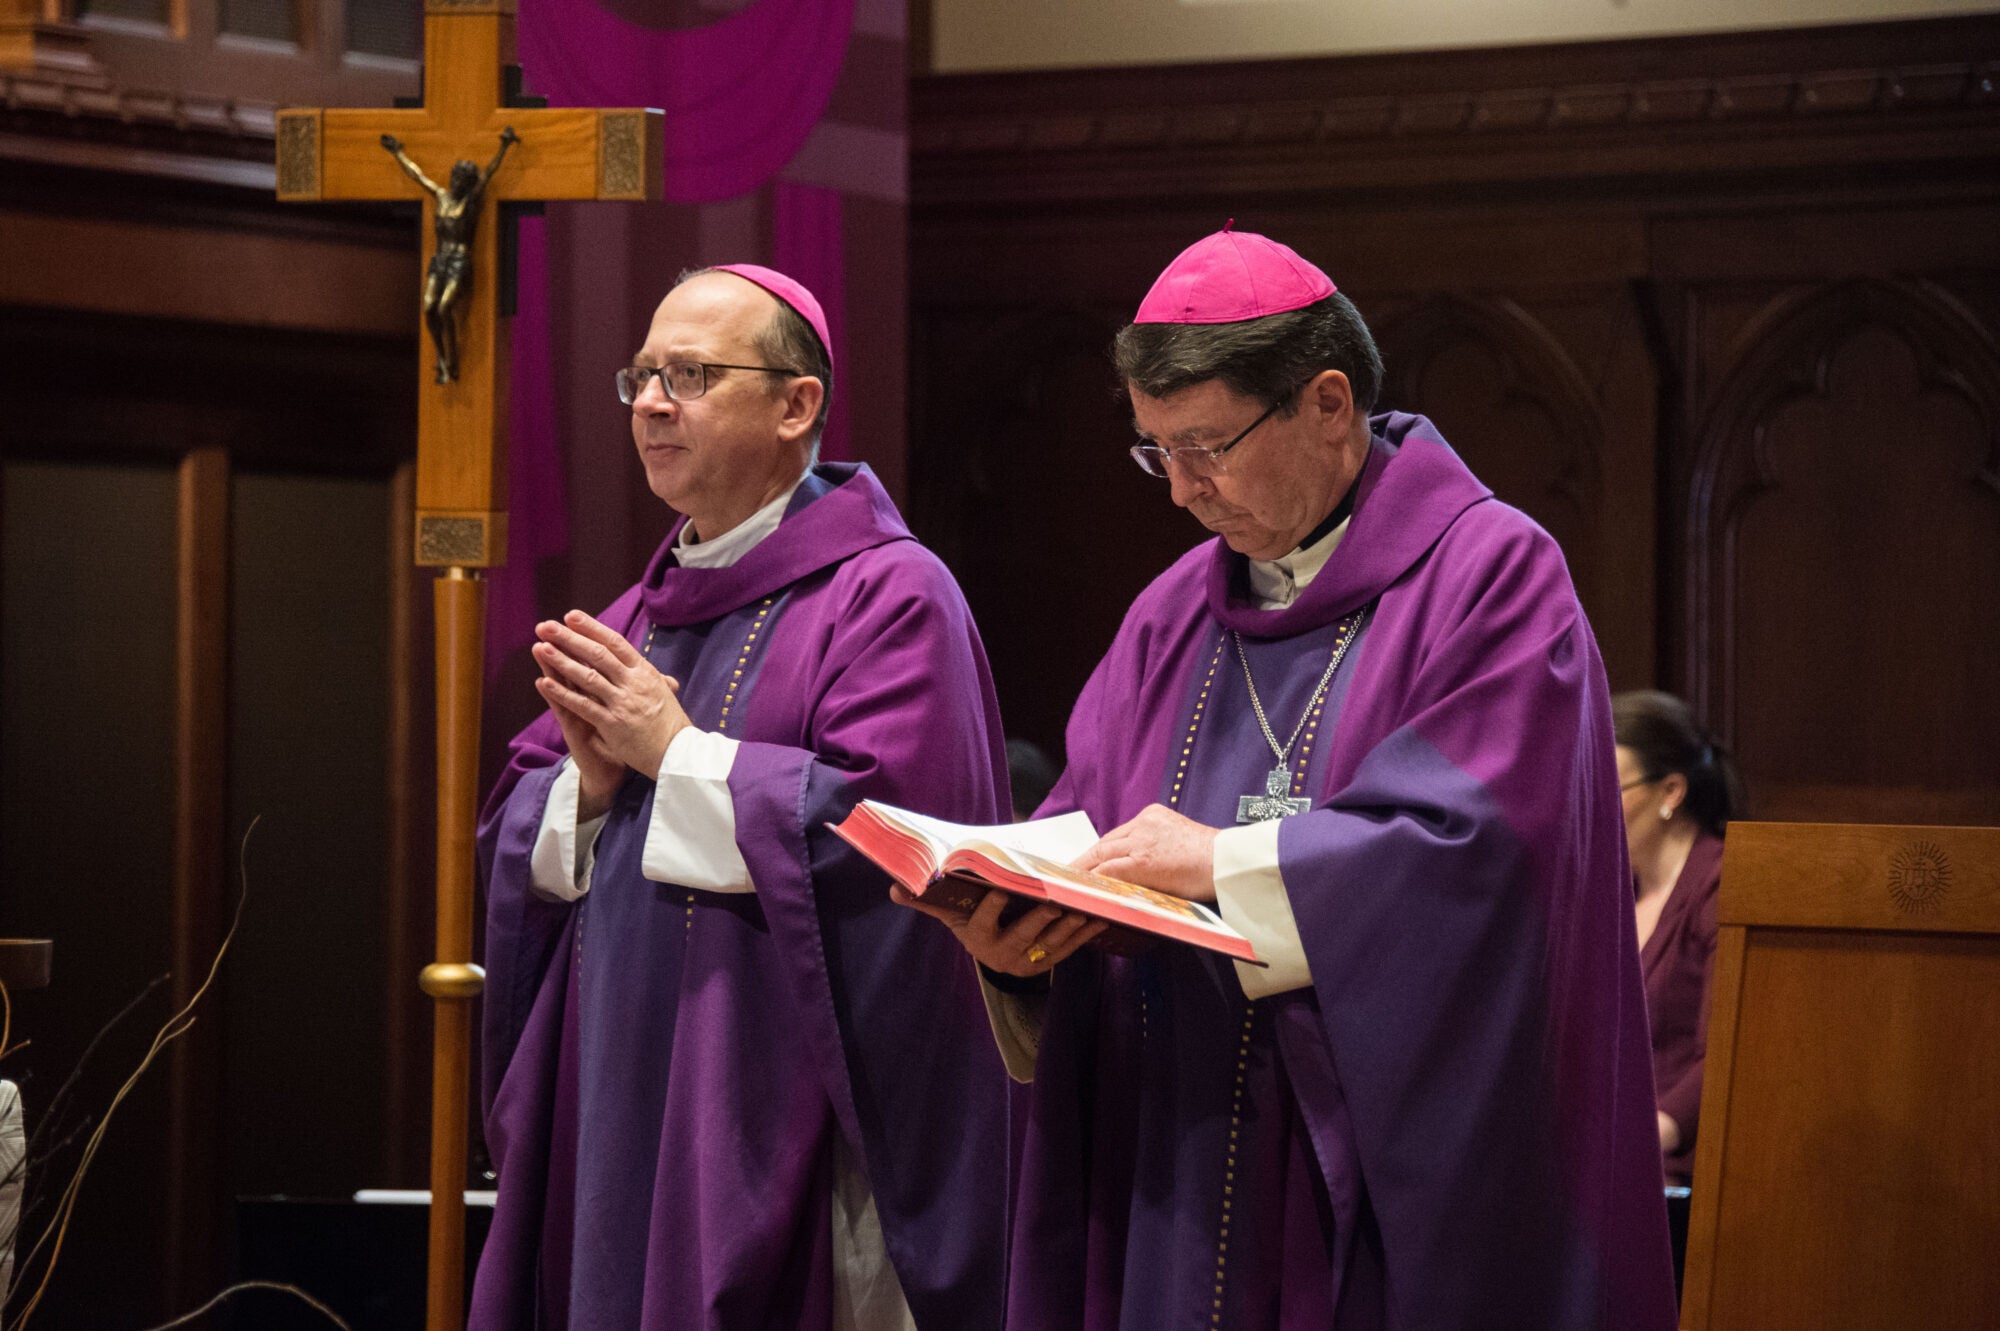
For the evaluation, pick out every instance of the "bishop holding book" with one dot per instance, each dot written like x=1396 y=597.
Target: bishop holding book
x=1369 y=721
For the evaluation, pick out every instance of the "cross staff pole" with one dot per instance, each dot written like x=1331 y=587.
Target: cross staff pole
x=461 y=527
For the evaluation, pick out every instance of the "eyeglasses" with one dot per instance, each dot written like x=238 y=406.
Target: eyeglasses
x=684 y=380
x=1193 y=459
x=1636 y=782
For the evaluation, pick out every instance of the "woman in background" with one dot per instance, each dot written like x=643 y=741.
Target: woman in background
x=1680 y=791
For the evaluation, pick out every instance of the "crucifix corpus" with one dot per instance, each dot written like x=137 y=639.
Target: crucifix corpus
x=471 y=109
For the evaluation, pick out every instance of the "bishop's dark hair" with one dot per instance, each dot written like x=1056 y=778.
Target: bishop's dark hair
x=1662 y=734
x=1266 y=359
x=788 y=341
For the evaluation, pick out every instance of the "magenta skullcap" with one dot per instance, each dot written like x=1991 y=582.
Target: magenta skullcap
x=1231 y=276
x=790 y=292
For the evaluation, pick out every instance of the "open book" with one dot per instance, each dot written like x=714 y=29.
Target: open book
x=954 y=865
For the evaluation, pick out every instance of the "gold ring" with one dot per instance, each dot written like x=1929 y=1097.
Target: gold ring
x=1037 y=954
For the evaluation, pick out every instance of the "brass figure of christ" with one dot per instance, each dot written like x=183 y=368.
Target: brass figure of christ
x=450 y=274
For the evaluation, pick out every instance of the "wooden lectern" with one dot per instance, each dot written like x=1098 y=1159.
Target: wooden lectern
x=1847 y=1172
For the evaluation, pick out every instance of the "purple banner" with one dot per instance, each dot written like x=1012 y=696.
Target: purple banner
x=741 y=97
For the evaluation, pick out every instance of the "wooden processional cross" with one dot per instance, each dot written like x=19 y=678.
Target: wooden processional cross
x=472 y=145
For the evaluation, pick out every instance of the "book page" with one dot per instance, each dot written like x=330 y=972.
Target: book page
x=934 y=833
x=1060 y=839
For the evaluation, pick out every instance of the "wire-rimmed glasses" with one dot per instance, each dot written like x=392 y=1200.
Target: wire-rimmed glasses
x=1193 y=459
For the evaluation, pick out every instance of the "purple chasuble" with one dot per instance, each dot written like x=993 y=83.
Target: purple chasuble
x=667 y=1069
x=1453 y=1126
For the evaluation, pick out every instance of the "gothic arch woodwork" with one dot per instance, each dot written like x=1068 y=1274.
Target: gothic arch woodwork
x=1513 y=403
x=1563 y=249
x=1843 y=520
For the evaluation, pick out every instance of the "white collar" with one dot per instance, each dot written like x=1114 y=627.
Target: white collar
x=1276 y=583
x=739 y=540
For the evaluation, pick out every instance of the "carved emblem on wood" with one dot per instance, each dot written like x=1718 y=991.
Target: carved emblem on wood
x=622 y=160
x=451 y=541
x=1919 y=876
x=298 y=155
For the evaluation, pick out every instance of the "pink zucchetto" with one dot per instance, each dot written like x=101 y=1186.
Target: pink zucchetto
x=790 y=292
x=1231 y=276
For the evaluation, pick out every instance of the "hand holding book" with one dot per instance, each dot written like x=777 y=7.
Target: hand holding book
x=1034 y=943
x=952 y=867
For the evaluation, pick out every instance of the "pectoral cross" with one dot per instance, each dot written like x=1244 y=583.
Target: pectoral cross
x=1275 y=802
x=470 y=104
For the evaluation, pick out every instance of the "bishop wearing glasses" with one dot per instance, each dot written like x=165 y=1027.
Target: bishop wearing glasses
x=728 y=1083
x=1369 y=720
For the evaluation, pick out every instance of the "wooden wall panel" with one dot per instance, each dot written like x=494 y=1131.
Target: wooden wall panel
x=1615 y=274
x=1522 y=412
x=302 y=1024
x=134 y=878
x=87 y=847
x=1844 y=517
x=1040 y=472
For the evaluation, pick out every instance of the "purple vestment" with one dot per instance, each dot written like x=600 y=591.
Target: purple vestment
x=1676 y=962
x=667 y=1070
x=1453 y=1126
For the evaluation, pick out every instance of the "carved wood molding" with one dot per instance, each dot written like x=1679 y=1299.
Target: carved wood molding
x=31 y=41
x=185 y=136
x=182 y=111
x=1830 y=96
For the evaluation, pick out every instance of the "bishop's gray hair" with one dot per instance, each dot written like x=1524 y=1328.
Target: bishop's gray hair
x=1266 y=359
x=789 y=342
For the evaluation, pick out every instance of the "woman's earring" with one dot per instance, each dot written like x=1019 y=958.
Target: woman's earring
x=1666 y=813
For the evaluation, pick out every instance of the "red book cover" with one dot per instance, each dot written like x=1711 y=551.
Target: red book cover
x=956 y=865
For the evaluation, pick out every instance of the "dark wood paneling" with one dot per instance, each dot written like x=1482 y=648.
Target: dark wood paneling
x=408 y=917
x=1601 y=269
x=90 y=400
x=87 y=827
x=193 y=1203
x=1805 y=102
x=194 y=251
x=303 y=1015
x=86 y=384
x=1844 y=516
x=1525 y=414
x=1021 y=482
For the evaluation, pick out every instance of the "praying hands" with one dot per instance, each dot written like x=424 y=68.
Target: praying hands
x=616 y=711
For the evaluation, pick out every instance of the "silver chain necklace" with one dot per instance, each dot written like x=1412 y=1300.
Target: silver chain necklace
x=1277 y=801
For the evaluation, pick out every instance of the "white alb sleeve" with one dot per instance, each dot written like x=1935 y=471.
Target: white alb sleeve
x=692 y=838
x=1250 y=893
x=565 y=853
